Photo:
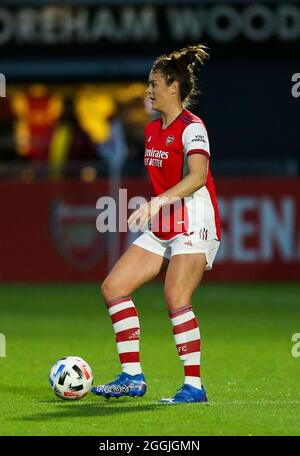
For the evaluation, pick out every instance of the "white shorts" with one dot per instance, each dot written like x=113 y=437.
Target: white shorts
x=179 y=245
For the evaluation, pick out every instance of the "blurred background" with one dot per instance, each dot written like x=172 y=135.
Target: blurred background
x=73 y=110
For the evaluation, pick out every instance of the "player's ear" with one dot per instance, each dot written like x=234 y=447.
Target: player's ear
x=174 y=88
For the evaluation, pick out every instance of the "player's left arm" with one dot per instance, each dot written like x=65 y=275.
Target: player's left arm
x=194 y=179
x=196 y=148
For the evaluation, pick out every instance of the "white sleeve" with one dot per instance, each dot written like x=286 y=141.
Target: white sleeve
x=195 y=140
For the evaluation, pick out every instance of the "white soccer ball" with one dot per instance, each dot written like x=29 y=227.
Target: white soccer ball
x=71 y=378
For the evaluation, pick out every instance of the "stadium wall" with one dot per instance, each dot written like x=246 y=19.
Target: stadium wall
x=48 y=230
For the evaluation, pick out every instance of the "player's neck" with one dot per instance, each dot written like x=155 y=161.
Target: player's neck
x=171 y=115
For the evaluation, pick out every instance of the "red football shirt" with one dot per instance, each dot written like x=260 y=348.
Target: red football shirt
x=166 y=154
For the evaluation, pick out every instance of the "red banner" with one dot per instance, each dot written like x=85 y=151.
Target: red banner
x=48 y=230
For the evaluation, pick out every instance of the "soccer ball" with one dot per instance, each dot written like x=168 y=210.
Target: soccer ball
x=71 y=378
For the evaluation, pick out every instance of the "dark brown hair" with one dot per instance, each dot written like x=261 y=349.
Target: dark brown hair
x=180 y=66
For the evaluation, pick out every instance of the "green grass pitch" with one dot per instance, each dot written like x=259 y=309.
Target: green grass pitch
x=250 y=375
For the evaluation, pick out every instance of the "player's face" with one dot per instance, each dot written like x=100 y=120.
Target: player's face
x=159 y=92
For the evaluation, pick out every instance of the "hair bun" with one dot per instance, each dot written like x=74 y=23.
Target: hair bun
x=188 y=57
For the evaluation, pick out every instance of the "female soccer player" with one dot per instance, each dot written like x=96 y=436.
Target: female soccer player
x=184 y=229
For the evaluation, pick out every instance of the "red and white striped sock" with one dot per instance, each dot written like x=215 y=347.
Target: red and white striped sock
x=187 y=338
x=127 y=328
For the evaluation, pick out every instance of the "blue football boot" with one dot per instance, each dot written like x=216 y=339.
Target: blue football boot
x=123 y=385
x=187 y=393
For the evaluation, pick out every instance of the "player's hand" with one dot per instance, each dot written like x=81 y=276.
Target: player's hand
x=141 y=216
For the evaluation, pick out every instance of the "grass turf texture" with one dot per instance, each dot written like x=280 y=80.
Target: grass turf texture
x=251 y=378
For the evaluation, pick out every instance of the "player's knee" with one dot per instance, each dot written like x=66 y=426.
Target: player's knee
x=107 y=289
x=173 y=298
x=112 y=289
